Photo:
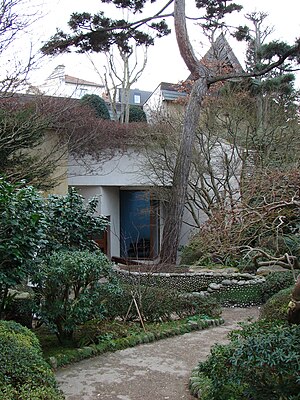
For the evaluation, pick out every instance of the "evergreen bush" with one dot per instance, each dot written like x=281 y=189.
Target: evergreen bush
x=137 y=114
x=68 y=284
x=156 y=304
x=97 y=103
x=260 y=362
x=24 y=374
x=276 y=308
x=277 y=281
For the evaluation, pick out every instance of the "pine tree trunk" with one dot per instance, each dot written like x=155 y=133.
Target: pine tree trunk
x=175 y=208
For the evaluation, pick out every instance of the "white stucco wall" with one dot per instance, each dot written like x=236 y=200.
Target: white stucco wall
x=124 y=169
x=110 y=206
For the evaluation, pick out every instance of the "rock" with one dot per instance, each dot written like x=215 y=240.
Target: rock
x=193 y=323
x=267 y=270
x=214 y=286
x=53 y=362
x=226 y=282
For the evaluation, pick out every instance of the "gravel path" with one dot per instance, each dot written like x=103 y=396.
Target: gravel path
x=155 y=371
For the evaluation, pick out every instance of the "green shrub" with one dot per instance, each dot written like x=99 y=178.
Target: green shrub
x=276 y=308
x=24 y=374
x=72 y=222
x=261 y=362
x=68 y=287
x=22 y=233
x=157 y=304
x=277 y=281
x=95 y=331
x=97 y=103
x=136 y=114
x=28 y=392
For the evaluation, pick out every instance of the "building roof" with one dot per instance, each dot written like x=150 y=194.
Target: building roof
x=77 y=81
x=171 y=91
x=222 y=52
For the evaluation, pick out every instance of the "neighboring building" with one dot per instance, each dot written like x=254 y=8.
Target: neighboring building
x=137 y=97
x=62 y=85
x=167 y=98
x=165 y=101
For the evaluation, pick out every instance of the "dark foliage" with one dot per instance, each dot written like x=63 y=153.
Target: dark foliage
x=72 y=222
x=276 y=308
x=157 y=304
x=68 y=284
x=137 y=114
x=98 y=104
x=260 y=362
x=24 y=374
x=98 y=33
x=277 y=281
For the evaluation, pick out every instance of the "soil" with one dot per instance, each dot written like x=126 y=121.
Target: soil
x=154 y=371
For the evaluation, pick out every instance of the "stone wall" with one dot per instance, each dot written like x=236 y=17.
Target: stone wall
x=229 y=288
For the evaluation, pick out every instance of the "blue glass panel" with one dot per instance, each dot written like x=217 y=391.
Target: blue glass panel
x=135 y=224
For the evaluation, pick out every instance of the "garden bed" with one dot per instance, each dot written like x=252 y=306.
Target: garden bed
x=118 y=336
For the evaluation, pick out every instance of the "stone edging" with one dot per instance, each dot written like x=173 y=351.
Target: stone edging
x=75 y=355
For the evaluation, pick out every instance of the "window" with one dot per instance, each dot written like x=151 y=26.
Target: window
x=137 y=99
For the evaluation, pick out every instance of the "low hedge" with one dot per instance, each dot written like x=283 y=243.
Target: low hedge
x=239 y=296
x=153 y=332
x=24 y=374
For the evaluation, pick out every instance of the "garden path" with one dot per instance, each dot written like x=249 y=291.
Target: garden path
x=156 y=371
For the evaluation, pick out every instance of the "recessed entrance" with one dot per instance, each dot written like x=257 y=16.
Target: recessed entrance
x=139 y=224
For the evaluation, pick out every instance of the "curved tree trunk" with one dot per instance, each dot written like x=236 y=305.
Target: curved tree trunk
x=175 y=208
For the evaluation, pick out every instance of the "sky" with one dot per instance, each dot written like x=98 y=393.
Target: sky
x=164 y=61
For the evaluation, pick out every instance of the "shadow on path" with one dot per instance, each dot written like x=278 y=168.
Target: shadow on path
x=154 y=371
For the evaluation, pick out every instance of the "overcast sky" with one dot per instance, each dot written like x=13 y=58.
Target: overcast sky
x=164 y=61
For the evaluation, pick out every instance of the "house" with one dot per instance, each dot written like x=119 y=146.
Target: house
x=124 y=191
x=165 y=102
x=61 y=85
x=167 y=99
